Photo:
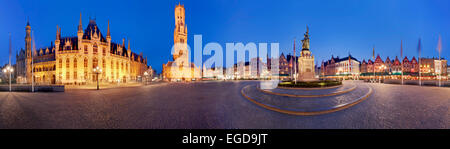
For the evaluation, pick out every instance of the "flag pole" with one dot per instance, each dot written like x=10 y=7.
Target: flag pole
x=10 y=47
x=373 y=57
x=440 y=62
x=295 y=66
x=32 y=62
x=420 y=77
x=401 y=56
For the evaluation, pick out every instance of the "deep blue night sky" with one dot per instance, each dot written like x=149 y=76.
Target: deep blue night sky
x=336 y=27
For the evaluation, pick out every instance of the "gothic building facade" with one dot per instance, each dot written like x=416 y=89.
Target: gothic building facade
x=81 y=59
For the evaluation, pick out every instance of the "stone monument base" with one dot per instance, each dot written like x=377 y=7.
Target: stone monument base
x=307 y=77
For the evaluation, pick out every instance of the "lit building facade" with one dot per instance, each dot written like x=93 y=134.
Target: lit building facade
x=71 y=60
x=347 y=66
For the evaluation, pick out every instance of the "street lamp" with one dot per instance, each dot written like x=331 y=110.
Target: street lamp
x=146 y=79
x=9 y=70
x=97 y=71
x=383 y=67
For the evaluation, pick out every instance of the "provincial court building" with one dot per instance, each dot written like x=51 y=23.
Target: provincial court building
x=71 y=60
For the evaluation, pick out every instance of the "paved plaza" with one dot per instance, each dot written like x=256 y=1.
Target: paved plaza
x=218 y=104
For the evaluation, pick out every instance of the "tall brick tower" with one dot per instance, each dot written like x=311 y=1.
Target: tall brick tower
x=28 y=52
x=180 y=36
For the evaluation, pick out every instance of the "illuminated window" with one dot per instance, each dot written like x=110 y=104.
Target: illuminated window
x=60 y=63
x=95 y=48
x=75 y=75
x=75 y=65
x=104 y=64
x=85 y=49
x=67 y=63
x=104 y=52
x=85 y=63
x=67 y=75
x=95 y=63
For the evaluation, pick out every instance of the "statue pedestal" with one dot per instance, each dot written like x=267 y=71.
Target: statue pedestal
x=307 y=77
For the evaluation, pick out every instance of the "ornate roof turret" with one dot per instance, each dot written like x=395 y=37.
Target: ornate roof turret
x=91 y=30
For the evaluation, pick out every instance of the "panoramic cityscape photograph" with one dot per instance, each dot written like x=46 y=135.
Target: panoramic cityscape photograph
x=191 y=65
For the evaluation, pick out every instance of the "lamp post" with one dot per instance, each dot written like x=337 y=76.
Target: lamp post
x=383 y=67
x=97 y=71
x=146 y=79
x=9 y=70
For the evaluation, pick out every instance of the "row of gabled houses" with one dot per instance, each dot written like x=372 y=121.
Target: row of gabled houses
x=428 y=67
x=351 y=67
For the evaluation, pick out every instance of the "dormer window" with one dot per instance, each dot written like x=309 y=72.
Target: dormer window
x=67 y=45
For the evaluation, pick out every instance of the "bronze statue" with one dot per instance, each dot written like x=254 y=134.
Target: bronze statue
x=305 y=41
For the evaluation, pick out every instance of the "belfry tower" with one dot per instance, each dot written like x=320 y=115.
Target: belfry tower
x=180 y=36
x=180 y=69
x=28 y=52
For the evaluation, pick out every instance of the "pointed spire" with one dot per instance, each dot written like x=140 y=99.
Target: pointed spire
x=57 y=32
x=108 y=33
x=28 y=21
x=80 y=25
x=128 y=44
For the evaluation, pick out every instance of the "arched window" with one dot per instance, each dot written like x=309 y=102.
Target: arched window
x=86 y=49
x=85 y=63
x=67 y=63
x=103 y=64
x=103 y=51
x=94 y=63
x=95 y=48
x=60 y=63
x=75 y=65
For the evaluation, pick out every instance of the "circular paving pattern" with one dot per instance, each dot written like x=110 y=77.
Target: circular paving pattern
x=311 y=102
x=296 y=93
